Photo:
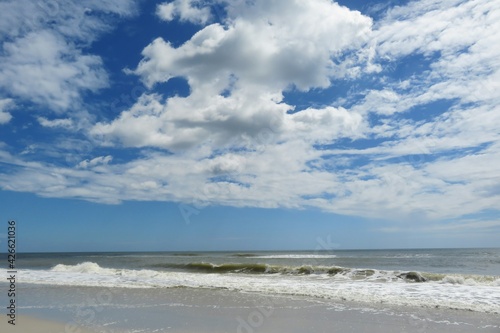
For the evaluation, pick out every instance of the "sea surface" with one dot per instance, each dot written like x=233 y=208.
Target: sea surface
x=456 y=279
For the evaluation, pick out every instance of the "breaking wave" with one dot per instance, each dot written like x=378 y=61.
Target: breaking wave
x=331 y=271
x=405 y=288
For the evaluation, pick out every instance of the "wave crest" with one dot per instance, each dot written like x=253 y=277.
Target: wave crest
x=337 y=272
x=85 y=267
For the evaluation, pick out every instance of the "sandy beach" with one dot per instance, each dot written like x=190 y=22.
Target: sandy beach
x=182 y=310
x=29 y=324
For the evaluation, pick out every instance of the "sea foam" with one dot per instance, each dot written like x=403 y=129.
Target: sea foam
x=371 y=286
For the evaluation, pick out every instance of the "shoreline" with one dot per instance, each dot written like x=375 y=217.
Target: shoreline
x=50 y=308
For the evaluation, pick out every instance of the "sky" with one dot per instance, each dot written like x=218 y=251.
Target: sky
x=190 y=125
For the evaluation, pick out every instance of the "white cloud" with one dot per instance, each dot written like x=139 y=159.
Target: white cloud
x=266 y=48
x=166 y=11
x=5 y=104
x=324 y=125
x=384 y=102
x=242 y=120
x=101 y=160
x=186 y=10
x=5 y=117
x=44 y=68
x=62 y=123
x=266 y=43
x=462 y=34
x=199 y=119
x=458 y=40
x=434 y=26
x=279 y=164
x=80 y=22
x=42 y=49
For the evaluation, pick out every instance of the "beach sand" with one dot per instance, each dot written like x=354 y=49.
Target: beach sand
x=27 y=324
x=183 y=310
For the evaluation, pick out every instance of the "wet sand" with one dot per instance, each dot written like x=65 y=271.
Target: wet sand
x=27 y=324
x=182 y=310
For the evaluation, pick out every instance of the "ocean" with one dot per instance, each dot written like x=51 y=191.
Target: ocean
x=454 y=279
x=412 y=291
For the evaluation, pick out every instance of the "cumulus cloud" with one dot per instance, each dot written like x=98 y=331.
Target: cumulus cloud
x=266 y=43
x=266 y=48
x=186 y=122
x=186 y=10
x=207 y=126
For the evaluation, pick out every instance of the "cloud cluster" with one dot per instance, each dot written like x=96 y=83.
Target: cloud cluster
x=265 y=44
x=237 y=74
x=415 y=143
x=447 y=155
x=403 y=167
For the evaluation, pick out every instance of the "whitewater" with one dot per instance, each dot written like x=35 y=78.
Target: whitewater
x=463 y=279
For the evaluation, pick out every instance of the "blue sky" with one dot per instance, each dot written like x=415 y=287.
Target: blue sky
x=244 y=125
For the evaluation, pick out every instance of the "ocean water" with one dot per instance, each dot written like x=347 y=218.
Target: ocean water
x=456 y=279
